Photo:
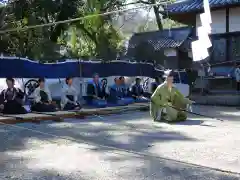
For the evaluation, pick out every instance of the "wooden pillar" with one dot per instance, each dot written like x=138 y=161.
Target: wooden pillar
x=228 y=40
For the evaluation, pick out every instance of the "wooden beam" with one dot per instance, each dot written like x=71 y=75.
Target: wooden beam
x=186 y=18
x=54 y=116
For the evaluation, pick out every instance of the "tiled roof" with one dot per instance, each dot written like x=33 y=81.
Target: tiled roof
x=196 y=5
x=160 y=39
x=158 y=44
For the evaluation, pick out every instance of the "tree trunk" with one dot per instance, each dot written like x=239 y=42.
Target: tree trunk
x=157 y=15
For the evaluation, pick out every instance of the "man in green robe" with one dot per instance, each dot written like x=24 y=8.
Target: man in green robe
x=167 y=102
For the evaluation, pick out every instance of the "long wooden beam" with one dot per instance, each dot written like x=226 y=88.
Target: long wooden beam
x=55 y=116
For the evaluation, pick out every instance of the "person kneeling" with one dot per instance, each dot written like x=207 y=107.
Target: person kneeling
x=42 y=99
x=125 y=92
x=117 y=95
x=167 y=103
x=11 y=99
x=94 y=92
x=137 y=92
x=69 y=97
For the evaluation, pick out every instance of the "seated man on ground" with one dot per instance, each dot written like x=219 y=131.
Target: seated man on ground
x=126 y=94
x=155 y=84
x=42 y=98
x=69 y=96
x=117 y=95
x=167 y=103
x=115 y=90
x=124 y=88
x=11 y=99
x=94 y=92
x=137 y=91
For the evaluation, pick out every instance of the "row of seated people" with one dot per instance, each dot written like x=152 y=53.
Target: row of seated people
x=11 y=98
x=119 y=93
x=43 y=101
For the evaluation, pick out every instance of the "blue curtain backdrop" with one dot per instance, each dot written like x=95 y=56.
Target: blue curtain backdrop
x=21 y=68
x=24 y=68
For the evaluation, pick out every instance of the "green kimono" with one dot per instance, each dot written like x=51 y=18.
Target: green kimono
x=162 y=99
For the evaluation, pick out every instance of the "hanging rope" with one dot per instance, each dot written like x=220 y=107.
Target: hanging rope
x=82 y=18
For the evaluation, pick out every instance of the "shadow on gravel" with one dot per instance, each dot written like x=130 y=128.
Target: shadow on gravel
x=120 y=131
x=190 y=122
x=26 y=174
x=221 y=112
x=158 y=168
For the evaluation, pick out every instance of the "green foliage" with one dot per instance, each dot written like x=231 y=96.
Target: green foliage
x=90 y=37
x=168 y=24
x=99 y=28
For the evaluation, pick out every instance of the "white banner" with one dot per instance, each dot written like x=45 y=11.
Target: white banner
x=199 y=51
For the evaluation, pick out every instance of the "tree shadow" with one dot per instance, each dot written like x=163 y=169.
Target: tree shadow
x=159 y=168
x=194 y=122
x=19 y=171
x=128 y=131
x=220 y=112
x=120 y=131
x=123 y=166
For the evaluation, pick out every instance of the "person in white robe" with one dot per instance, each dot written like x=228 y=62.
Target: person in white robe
x=69 y=99
x=42 y=98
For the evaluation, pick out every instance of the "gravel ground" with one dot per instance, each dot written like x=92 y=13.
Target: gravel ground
x=206 y=142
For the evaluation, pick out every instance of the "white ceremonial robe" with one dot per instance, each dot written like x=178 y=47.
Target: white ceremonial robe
x=36 y=94
x=68 y=90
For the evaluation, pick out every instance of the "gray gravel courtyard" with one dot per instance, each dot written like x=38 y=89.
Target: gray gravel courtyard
x=206 y=142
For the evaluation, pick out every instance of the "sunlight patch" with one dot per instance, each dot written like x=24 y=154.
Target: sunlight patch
x=231 y=113
x=60 y=125
x=2 y=130
x=64 y=158
x=126 y=138
x=97 y=123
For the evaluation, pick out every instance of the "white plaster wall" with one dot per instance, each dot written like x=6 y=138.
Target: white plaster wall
x=170 y=52
x=218 y=21
x=234 y=19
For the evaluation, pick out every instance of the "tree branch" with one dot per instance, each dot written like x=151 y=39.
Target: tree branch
x=90 y=35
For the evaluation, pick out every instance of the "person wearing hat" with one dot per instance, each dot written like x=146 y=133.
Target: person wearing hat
x=11 y=99
x=167 y=101
x=137 y=91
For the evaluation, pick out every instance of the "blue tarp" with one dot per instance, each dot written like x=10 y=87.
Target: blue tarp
x=24 y=68
x=223 y=71
x=117 y=69
x=20 y=68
